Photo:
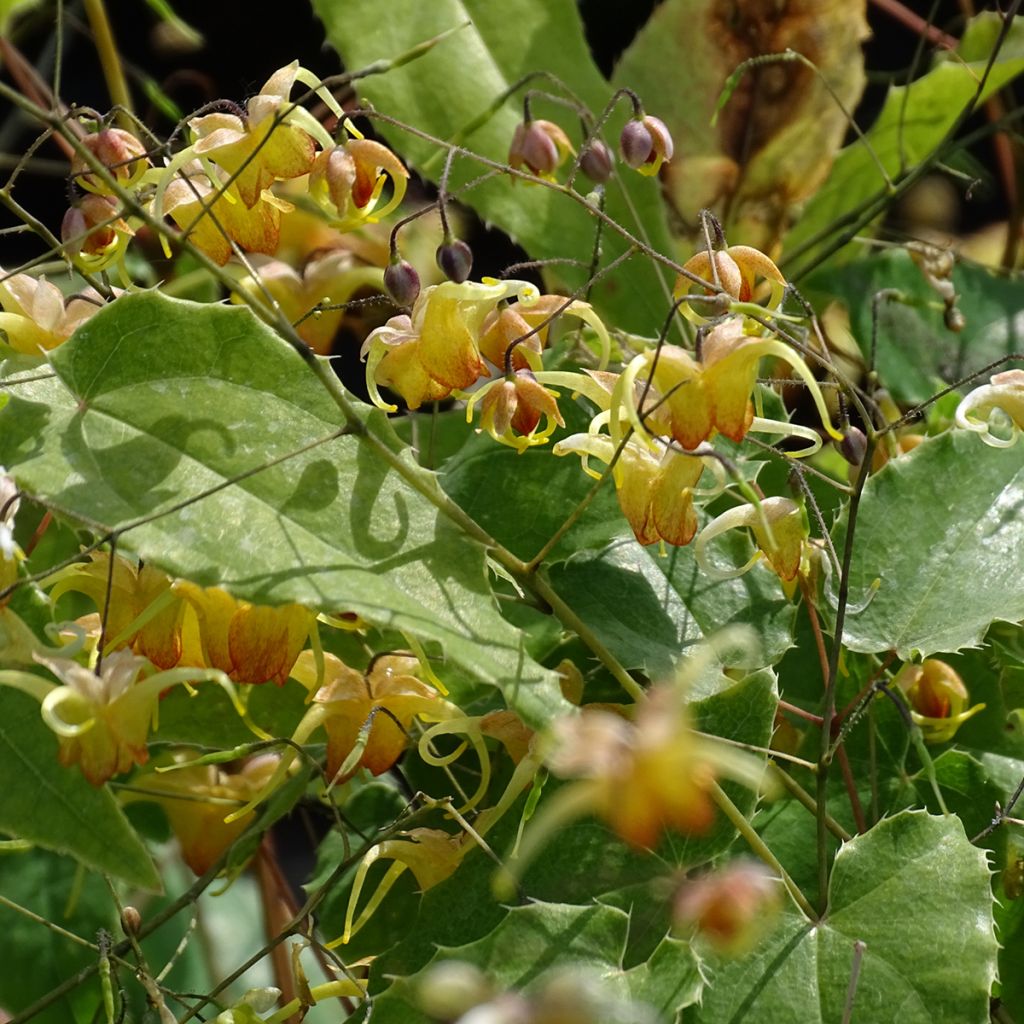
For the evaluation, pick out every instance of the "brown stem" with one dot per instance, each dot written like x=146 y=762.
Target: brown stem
x=914 y=21
x=276 y=916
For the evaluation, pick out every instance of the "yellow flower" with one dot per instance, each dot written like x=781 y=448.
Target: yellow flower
x=36 y=317
x=511 y=410
x=938 y=698
x=119 y=151
x=271 y=142
x=1005 y=395
x=333 y=276
x=425 y=356
x=712 y=394
x=738 y=268
x=248 y=643
x=94 y=234
x=780 y=532
x=213 y=221
x=371 y=711
x=655 y=488
x=346 y=181
x=196 y=799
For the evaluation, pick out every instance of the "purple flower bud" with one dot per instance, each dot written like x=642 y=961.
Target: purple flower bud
x=636 y=144
x=455 y=259
x=597 y=161
x=853 y=446
x=402 y=282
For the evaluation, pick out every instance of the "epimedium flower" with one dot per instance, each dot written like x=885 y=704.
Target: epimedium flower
x=524 y=325
x=655 y=488
x=780 y=531
x=641 y=775
x=737 y=270
x=331 y=278
x=197 y=797
x=511 y=410
x=435 y=350
x=214 y=216
x=95 y=235
x=712 y=394
x=119 y=151
x=938 y=698
x=36 y=317
x=1002 y=396
x=271 y=140
x=102 y=720
x=645 y=144
x=346 y=181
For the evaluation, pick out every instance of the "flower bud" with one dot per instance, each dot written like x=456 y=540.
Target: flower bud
x=402 y=282
x=451 y=988
x=92 y=227
x=131 y=921
x=937 y=697
x=119 y=151
x=597 y=162
x=730 y=907
x=455 y=259
x=853 y=446
x=646 y=144
x=540 y=145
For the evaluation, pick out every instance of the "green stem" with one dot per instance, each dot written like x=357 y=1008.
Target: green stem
x=110 y=61
x=760 y=847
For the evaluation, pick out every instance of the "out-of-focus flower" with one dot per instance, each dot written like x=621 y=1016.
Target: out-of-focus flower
x=102 y=720
x=330 y=279
x=731 y=908
x=196 y=799
x=427 y=355
x=10 y=554
x=36 y=317
x=1004 y=396
x=780 y=532
x=938 y=698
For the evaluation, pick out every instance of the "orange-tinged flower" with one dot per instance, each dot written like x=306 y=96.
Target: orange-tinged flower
x=1004 y=395
x=713 y=394
x=272 y=142
x=196 y=799
x=134 y=591
x=506 y=326
x=119 y=151
x=347 y=181
x=511 y=410
x=655 y=488
x=213 y=221
x=371 y=711
x=248 y=643
x=938 y=698
x=434 y=351
x=738 y=270
x=36 y=317
x=94 y=234
x=331 y=278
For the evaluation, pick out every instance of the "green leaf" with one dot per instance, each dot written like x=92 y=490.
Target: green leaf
x=941 y=529
x=447 y=89
x=541 y=937
x=521 y=500
x=917 y=894
x=912 y=124
x=650 y=610
x=56 y=807
x=159 y=400
x=915 y=349
x=37 y=959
